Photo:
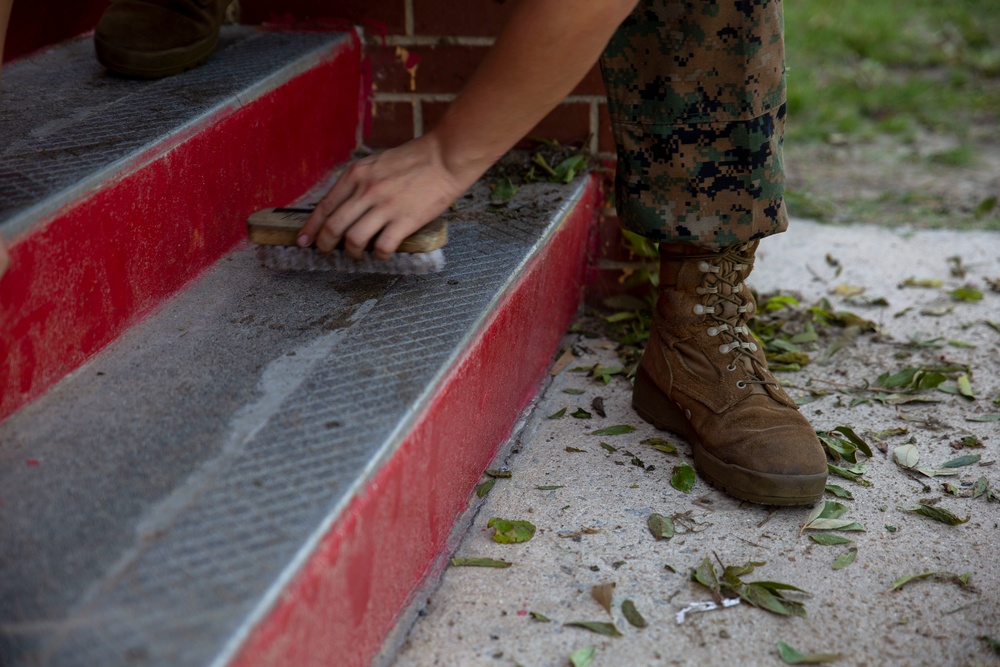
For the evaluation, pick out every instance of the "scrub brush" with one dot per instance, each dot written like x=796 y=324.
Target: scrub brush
x=276 y=231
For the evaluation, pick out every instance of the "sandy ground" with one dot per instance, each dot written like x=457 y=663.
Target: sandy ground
x=592 y=530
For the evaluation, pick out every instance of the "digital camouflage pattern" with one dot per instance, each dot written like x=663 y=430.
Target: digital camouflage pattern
x=696 y=93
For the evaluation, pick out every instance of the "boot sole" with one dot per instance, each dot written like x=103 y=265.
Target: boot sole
x=757 y=487
x=153 y=64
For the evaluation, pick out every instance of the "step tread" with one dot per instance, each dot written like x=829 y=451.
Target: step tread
x=68 y=125
x=152 y=501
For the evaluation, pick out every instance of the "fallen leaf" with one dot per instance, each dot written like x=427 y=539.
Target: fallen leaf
x=906 y=456
x=839 y=491
x=966 y=293
x=551 y=487
x=479 y=562
x=632 y=614
x=580 y=413
x=576 y=450
x=984 y=418
x=499 y=473
x=683 y=478
x=609 y=447
x=600 y=627
x=574 y=392
x=603 y=594
x=503 y=192
x=914 y=282
x=846 y=559
x=598 y=405
x=540 y=617
x=660 y=526
x=485 y=487
x=961 y=580
x=660 y=444
x=511 y=531
x=980 y=487
x=583 y=657
x=938 y=514
x=558 y=415
x=793 y=656
x=829 y=539
x=620 y=429
x=966 y=460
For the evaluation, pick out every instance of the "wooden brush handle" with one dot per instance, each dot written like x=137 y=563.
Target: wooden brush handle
x=280 y=226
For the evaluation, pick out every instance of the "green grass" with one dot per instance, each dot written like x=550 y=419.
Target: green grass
x=857 y=68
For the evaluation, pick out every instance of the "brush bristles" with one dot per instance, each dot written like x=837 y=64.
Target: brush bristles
x=291 y=258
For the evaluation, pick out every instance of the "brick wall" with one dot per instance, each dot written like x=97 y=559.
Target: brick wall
x=420 y=63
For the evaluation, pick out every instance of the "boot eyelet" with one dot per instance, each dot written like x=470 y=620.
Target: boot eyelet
x=731 y=367
x=740 y=384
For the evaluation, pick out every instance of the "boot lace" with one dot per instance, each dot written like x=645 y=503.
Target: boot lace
x=729 y=310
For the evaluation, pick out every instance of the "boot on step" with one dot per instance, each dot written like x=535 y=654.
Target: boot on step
x=704 y=377
x=150 y=39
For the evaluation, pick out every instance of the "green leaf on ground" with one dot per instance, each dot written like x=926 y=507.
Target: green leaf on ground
x=581 y=414
x=965 y=386
x=943 y=575
x=660 y=526
x=768 y=595
x=576 y=450
x=499 y=473
x=846 y=559
x=984 y=418
x=660 y=444
x=540 y=617
x=620 y=429
x=609 y=447
x=632 y=614
x=479 y=562
x=683 y=478
x=968 y=441
x=574 y=392
x=938 y=514
x=583 y=657
x=558 y=415
x=600 y=627
x=966 y=460
x=829 y=539
x=852 y=473
x=550 y=487
x=503 y=192
x=966 y=293
x=827 y=517
x=982 y=484
x=793 y=656
x=839 y=491
x=485 y=487
x=511 y=531
x=915 y=282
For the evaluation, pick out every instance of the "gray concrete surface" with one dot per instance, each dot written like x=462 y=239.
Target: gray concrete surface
x=481 y=616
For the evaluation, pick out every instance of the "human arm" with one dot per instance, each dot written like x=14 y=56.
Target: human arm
x=544 y=50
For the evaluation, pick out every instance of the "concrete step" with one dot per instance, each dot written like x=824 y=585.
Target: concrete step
x=265 y=469
x=115 y=193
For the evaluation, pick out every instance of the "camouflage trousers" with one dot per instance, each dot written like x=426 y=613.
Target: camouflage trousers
x=696 y=93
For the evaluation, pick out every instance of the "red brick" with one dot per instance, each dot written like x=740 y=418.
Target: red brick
x=569 y=123
x=392 y=124
x=439 y=69
x=468 y=18
x=378 y=16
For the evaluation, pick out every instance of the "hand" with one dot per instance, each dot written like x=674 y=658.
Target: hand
x=389 y=195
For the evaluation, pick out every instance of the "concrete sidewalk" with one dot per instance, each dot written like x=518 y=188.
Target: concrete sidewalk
x=592 y=529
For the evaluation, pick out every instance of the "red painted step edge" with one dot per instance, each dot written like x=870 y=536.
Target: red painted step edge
x=347 y=596
x=98 y=265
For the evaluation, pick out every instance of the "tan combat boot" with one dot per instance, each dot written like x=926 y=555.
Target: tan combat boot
x=703 y=376
x=150 y=39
